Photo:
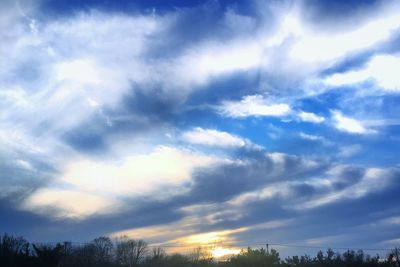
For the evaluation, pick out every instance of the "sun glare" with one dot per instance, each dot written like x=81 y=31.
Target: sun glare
x=219 y=252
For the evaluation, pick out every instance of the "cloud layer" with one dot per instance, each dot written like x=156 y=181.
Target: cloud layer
x=255 y=120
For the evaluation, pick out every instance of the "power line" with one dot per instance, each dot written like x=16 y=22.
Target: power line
x=328 y=247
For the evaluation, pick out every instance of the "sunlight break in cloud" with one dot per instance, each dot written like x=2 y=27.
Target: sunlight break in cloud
x=253 y=105
x=382 y=69
x=138 y=174
x=135 y=176
x=211 y=137
x=65 y=203
x=349 y=125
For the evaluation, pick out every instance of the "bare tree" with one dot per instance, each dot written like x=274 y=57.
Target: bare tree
x=201 y=255
x=394 y=256
x=158 y=253
x=103 y=250
x=13 y=245
x=130 y=252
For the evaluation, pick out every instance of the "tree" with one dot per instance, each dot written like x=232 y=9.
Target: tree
x=177 y=260
x=102 y=250
x=49 y=256
x=201 y=255
x=320 y=259
x=394 y=257
x=256 y=258
x=329 y=255
x=130 y=252
x=14 y=251
x=157 y=258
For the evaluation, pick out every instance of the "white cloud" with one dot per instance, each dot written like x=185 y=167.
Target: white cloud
x=382 y=69
x=214 y=59
x=73 y=204
x=70 y=64
x=310 y=117
x=253 y=105
x=318 y=47
x=312 y=137
x=135 y=176
x=211 y=137
x=374 y=180
x=349 y=125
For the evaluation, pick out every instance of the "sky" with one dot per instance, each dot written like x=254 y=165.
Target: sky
x=186 y=123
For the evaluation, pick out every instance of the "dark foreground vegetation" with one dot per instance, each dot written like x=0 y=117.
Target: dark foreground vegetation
x=125 y=252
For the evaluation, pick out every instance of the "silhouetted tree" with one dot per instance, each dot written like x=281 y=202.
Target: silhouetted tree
x=177 y=260
x=103 y=249
x=256 y=258
x=394 y=257
x=49 y=256
x=125 y=252
x=14 y=251
x=157 y=258
x=130 y=252
x=201 y=256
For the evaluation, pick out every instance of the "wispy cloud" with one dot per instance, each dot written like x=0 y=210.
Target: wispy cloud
x=316 y=47
x=253 y=105
x=349 y=151
x=373 y=180
x=381 y=69
x=211 y=137
x=349 y=125
x=310 y=117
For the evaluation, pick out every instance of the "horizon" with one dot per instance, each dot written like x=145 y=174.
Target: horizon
x=196 y=123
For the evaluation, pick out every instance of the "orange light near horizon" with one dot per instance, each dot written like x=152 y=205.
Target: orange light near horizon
x=219 y=252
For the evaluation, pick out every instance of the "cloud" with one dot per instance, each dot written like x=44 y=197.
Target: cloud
x=254 y=169
x=374 y=180
x=211 y=137
x=315 y=138
x=310 y=117
x=64 y=203
x=348 y=151
x=381 y=69
x=325 y=187
x=394 y=221
x=136 y=176
x=311 y=137
x=87 y=99
x=313 y=46
x=215 y=59
x=253 y=105
x=349 y=125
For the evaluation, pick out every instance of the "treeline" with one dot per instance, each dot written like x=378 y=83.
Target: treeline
x=126 y=252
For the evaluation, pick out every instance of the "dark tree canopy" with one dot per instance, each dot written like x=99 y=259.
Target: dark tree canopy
x=127 y=252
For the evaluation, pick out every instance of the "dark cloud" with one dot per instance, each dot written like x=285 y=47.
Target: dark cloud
x=19 y=222
x=339 y=13
x=88 y=140
x=21 y=174
x=223 y=182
